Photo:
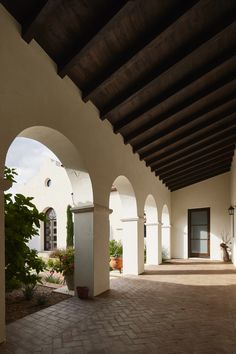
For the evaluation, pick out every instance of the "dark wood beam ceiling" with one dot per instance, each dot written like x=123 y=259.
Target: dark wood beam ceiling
x=190 y=181
x=162 y=72
x=91 y=38
x=193 y=175
x=182 y=45
x=190 y=166
x=130 y=55
x=202 y=132
x=195 y=153
x=184 y=146
x=197 y=156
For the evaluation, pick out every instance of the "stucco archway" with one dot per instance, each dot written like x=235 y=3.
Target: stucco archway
x=81 y=184
x=126 y=210
x=70 y=157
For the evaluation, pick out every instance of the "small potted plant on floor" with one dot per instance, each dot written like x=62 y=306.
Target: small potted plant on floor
x=116 y=250
x=226 y=241
x=64 y=263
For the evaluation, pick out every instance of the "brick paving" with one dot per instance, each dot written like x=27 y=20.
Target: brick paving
x=183 y=307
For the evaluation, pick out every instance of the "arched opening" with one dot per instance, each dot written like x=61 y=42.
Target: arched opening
x=151 y=231
x=124 y=222
x=80 y=193
x=166 y=236
x=50 y=230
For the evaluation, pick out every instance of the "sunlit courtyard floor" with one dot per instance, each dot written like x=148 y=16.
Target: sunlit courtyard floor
x=178 y=307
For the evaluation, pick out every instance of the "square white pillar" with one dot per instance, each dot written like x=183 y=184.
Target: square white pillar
x=92 y=248
x=133 y=245
x=152 y=248
x=166 y=240
x=159 y=242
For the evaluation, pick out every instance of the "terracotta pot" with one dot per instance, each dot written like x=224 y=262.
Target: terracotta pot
x=116 y=263
x=69 y=278
x=82 y=292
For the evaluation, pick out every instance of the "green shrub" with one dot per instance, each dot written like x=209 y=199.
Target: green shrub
x=52 y=279
x=22 y=265
x=115 y=248
x=164 y=254
x=63 y=261
x=69 y=228
x=28 y=291
x=41 y=299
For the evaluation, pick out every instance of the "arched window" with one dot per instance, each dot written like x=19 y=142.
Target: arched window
x=50 y=230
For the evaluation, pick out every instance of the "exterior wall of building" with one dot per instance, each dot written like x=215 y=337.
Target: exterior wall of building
x=116 y=225
x=213 y=193
x=56 y=196
x=36 y=103
x=233 y=203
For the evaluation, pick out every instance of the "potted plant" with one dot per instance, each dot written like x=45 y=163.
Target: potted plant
x=82 y=292
x=226 y=240
x=116 y=250
x=64 y=263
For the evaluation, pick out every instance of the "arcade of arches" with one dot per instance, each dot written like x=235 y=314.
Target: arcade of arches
x=58 y=118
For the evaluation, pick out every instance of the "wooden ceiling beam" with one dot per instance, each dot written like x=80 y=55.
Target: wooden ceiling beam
x=199 y=171
x=205 y=36
x=91 y=38
x=29 y=30
x=197 y=180
x=202 y=116
x=122 y=60
x=187 y=183
x=205 y=132
x=190 y=101
x=227 y=136
x=196 y=174
x=201 y=73
x=197 y=155
x=186 y=148
x=192 y=166
x=196 y=142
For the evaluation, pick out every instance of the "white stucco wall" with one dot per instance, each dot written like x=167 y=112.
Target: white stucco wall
x=56 y=196
x=116 y=225
x=213 y=193
x=233 y=203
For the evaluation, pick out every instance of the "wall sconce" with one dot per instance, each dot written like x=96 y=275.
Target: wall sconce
x=72 y=197
x=231 y=210
x=231 y=213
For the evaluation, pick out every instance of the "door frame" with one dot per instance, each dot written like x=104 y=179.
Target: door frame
x=202 y=255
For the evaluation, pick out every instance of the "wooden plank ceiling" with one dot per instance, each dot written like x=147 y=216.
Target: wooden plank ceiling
x=163 y=72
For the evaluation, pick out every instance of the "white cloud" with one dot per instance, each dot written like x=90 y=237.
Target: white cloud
x=26 y=156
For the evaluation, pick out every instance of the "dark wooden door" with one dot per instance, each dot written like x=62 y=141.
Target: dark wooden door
x=199 y=232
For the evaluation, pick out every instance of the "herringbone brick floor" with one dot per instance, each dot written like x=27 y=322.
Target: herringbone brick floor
x=171 y=309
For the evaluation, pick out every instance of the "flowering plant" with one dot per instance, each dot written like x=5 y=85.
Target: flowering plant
x=62 y=261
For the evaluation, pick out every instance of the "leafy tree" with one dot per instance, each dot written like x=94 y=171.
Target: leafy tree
x=22 y=265
x=70 y=228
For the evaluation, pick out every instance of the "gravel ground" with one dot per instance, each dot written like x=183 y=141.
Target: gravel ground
x=17 y=307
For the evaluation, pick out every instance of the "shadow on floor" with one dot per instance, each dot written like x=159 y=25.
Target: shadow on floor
x=189 y=272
